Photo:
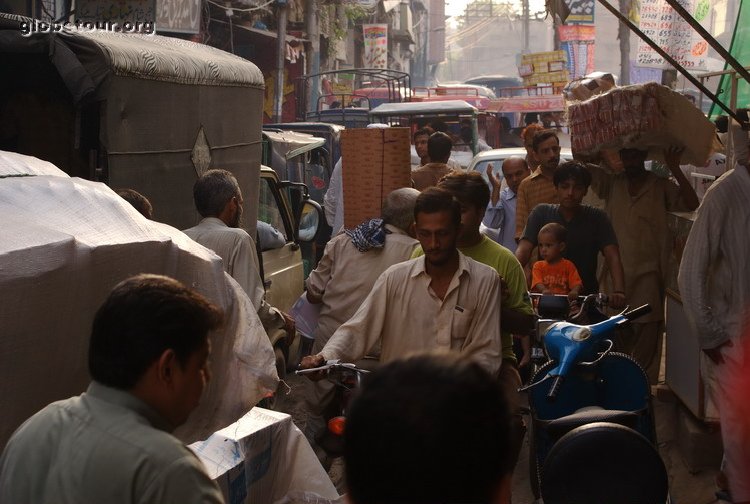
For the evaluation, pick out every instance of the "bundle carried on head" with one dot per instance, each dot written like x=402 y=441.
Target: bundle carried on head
x=644 y=116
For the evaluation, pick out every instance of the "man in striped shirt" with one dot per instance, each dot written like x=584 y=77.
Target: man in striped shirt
x=538 y=187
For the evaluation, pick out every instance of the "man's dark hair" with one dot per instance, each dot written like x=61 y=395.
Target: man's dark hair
x=439 y=147
x=558 y=231
x=137 y=201
x=541 y=136
x=213 y=191
x=466 y=134
x=722 y=123
x=421 y=132
x=141 y=318
x=469 y=188
x=527 y=135
x=439 y=125
x=572 y=170
x=434 y=200
x=428 y=429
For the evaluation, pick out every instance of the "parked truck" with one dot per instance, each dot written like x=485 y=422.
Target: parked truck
x=153 y=114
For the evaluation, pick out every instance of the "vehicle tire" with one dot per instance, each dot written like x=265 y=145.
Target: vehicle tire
x=273 y=401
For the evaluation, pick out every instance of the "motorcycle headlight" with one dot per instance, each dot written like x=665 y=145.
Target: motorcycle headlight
x=581 y=334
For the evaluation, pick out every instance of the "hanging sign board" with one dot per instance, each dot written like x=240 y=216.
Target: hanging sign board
x=376 y=45
x=672 y=33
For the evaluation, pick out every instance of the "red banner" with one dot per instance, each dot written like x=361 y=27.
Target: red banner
x=546 y=103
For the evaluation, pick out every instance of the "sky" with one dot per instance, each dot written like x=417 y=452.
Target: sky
x=456 y=7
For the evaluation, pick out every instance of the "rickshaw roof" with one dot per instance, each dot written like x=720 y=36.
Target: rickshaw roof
x=424 y=108
x=294 y=142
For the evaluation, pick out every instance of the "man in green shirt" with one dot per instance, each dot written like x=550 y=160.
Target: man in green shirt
x=516 y=314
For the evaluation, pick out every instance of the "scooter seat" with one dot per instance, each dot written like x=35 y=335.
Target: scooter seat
x=561 y=426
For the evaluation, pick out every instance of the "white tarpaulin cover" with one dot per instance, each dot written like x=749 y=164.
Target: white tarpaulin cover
x=64 y=243
x=265 y=458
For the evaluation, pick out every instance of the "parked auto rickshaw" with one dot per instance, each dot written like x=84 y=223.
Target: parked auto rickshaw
x=454 y=113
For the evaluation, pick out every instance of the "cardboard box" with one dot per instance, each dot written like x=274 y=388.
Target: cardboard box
x=644 y=116
x=375 y=161
x=265 y=458
x=543 y=68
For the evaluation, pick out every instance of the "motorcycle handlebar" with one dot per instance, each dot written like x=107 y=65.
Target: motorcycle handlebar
x=332 y=366
x=637 y=312
x=555 y=388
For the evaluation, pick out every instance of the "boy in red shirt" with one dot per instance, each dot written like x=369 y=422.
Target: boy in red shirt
x=554 y=274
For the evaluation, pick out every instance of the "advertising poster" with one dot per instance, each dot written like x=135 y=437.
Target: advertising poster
x=117 y=12
x=581 y=11
x=376 y=45
x=673 y=34
x=578 y=43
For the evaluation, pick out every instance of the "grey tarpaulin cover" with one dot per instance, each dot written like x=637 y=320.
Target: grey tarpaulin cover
x=64 y=243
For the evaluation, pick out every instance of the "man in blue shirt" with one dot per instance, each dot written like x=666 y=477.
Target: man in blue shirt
x=501 y=212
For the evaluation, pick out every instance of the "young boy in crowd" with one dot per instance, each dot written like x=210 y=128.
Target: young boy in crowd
x=554 y=274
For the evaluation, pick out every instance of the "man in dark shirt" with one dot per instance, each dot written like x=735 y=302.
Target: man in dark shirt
x=589 y=231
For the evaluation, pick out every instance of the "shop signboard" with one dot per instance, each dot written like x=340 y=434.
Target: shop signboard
x=179 y=16
x=671 y=32
x=128 y=16
x=581 y=12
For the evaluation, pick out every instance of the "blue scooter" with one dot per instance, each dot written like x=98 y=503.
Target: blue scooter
x=592 y=436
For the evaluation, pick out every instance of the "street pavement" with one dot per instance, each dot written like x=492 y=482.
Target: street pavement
x=686 y=487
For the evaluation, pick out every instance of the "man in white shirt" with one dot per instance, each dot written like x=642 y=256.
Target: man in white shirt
x=333 y=200
x=345 y=275
x=218 y=199
x=714 y=282
x=442 y=300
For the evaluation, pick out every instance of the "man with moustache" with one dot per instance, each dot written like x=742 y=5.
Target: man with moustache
x=539 y=186
x=218 y=199
x=442 y=300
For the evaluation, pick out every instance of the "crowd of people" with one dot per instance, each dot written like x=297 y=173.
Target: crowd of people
x=437 y=302
x=561 y=245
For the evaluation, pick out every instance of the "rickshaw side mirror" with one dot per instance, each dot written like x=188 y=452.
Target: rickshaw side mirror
x=309 y=220
x=306 y=212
